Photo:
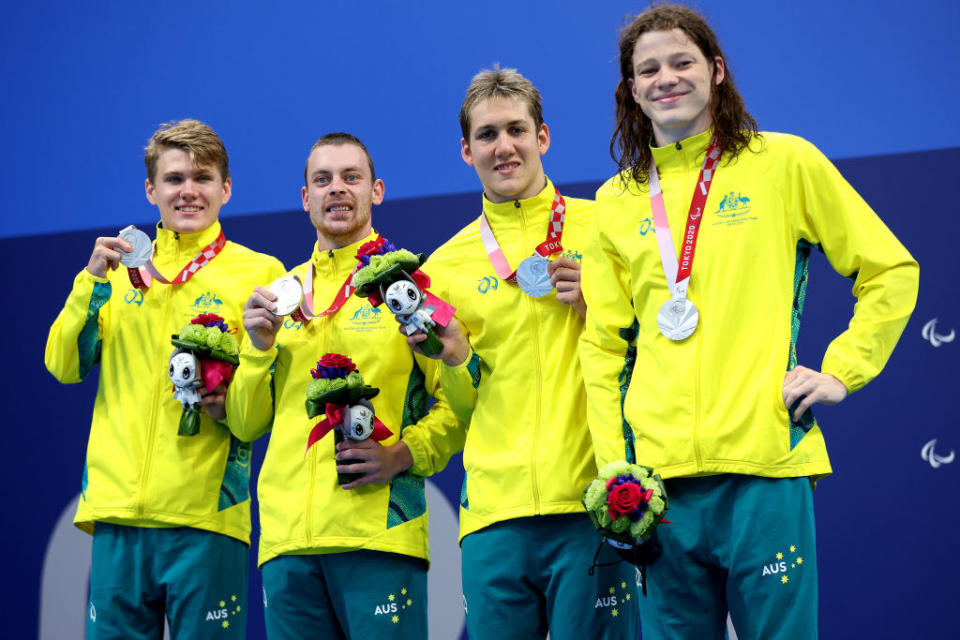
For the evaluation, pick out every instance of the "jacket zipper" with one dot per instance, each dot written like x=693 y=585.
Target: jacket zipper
x=535 y=331
x=151 y=439
x=321 y=339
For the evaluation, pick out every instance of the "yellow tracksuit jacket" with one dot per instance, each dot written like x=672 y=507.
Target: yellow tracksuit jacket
x=302 y=508
x=138 y=471
x=713 y=403
x=528 y=451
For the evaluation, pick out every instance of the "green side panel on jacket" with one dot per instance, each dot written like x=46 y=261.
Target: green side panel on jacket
x=407 y=497
x=629 y=336
x=83 y=481
x=473 y=368
x=463 y=494
x=235 y=487
x=800 y=276
x=88 y=342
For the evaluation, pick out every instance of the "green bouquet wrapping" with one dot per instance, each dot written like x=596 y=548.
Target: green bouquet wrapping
x=205 y=355
x=392 y=276
x=626 y=502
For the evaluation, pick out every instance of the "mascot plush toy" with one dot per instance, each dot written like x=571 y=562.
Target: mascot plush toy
x=338 y=391
x=205 y=354
x=393 y=276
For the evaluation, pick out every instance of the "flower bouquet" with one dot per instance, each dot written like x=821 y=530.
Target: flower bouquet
x=626 y=502
x=393 y=276
x=339 y=392
x=205 y=353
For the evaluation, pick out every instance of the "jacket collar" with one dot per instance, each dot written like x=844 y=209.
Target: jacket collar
x=342 y=259
x=174 y=249
x=527 y=208
x=684 y=154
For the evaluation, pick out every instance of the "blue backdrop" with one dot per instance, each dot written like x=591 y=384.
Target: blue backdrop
x=87 y=83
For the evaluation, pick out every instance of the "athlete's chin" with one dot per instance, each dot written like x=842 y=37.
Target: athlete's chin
x=187 y=225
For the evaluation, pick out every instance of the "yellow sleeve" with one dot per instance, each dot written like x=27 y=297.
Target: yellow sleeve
x=437 y=436
x=608 y=342
x=250 y=394
x=460 y=385
x=859 y=246
x=73 y=344
x=442 y=433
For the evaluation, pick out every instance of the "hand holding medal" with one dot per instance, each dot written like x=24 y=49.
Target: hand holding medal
x=532 y=275
x=565 y=275
x=127 y=248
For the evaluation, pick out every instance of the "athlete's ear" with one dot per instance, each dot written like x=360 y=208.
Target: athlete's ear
x=227 y=190
x=719 y=70
x=543 y=138
x=465 y=152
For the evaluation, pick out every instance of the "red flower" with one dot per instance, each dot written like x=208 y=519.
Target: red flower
x=625 y=498
x=335 y=360
x=207 y=319
x=372 y=248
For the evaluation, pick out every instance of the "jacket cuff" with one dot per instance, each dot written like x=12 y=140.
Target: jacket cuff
x=421 y=462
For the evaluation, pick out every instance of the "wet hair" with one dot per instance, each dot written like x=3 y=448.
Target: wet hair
x=630 y=144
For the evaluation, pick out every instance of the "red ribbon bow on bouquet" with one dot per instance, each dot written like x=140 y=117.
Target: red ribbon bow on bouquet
x=334 y=415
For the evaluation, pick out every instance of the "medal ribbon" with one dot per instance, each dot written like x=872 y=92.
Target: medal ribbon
x=547 y=248
x=142 y=277
x=305 y=313
x=678 y=274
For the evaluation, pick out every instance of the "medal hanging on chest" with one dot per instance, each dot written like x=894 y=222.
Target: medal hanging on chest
x=139 y=261
x=531 y=276
x=678 y=317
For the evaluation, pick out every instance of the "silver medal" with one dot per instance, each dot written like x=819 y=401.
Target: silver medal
x=142 y=247
x=678 y=318
x=289 y=294
x=532 y=276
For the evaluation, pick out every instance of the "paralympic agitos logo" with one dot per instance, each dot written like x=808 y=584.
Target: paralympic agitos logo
x=936 y=460
x=929 y=333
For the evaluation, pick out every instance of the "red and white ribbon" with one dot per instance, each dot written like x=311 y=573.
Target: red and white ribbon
x=305 y=313
x=143 y=277
x=547 y=248
x=678 y=272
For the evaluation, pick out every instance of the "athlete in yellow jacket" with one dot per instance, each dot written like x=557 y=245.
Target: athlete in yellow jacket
x=182 y=503
x=718 y=405
x=511 y=370
x=346 y=561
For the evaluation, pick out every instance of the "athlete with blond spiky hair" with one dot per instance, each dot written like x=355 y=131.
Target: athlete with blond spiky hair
x=169 y=514
x=511 y=372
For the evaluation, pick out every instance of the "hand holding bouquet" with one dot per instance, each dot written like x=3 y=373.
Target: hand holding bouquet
x=626 y=503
